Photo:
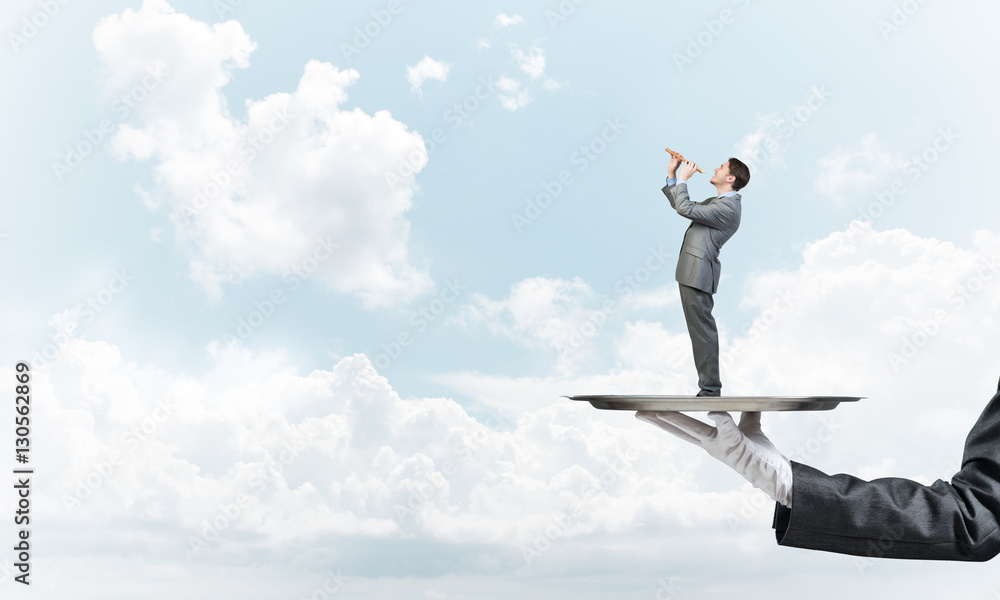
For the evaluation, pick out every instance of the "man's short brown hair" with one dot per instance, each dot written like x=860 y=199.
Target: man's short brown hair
x=741 y=172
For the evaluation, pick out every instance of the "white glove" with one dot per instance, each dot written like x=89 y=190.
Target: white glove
x=745 y=448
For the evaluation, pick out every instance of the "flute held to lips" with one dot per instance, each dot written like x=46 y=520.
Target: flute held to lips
x=681 y=157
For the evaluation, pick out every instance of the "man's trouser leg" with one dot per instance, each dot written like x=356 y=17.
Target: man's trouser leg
x=704 y=334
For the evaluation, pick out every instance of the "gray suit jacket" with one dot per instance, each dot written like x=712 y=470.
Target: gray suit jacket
x=900 y=518
x=713 y=222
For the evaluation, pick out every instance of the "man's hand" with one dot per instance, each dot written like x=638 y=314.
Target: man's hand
x=672 y=167
x=689 y=170
x=745 y=448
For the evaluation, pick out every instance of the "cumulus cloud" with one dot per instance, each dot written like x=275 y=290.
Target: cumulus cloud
x=766 y=142
x=503 y=21
x=515 y=94
x=512 y=94
x=298 y=179
x=555 y=314
x=560 y=316
x=773 y=134
x=253 y=457
x=334 y=463
x=500 y=23
x=531 y=62
x=904 y=320
x=427 y=68
x=857 y=170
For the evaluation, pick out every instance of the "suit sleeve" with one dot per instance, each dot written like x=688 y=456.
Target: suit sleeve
x=900 y=518
x=716 y=215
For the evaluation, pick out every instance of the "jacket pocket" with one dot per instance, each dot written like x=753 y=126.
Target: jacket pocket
x=693 y=251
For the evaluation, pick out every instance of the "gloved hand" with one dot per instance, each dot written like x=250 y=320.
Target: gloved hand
x=745 y=448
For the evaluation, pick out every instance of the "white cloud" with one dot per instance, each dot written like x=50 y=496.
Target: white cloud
x=904 y=320
x=512 y=95
x=562 y=316
x=857 y=170
x=336 y=461
x=298 y=179
x=767 y=141
x=658 y=298
x=531 y=62
x=516 y=94
x=848 y=314
x=540 y=312
x=766 y=145
x=946 y=421
x=503 y=21
x=252 y=457
x=427 y=68
x=885 y=468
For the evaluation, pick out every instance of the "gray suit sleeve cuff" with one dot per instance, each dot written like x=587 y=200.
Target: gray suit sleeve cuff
x=884 y=518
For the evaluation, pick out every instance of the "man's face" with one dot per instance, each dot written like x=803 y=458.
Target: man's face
x=721 y=175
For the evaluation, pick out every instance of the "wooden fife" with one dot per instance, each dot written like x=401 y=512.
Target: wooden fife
x=680 y=156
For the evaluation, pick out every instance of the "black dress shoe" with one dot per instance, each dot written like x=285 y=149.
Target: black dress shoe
x=705 y=394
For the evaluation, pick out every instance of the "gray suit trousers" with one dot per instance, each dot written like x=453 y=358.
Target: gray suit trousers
x=704 y=334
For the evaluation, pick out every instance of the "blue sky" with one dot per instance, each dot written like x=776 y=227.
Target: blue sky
x=420 y=224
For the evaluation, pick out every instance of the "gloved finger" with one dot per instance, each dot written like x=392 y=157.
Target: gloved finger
x=650 y=417
x=724 y=424
x=750 y=422
x=721 y=417
x=689 y=425
x=750 y=426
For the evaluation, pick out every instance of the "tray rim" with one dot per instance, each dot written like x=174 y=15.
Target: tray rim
x=713 y=403
x=588 y=397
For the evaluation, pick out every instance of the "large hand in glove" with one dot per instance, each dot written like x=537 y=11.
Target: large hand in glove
x=745 y=448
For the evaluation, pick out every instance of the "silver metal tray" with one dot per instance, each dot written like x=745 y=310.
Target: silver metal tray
x=722 y=403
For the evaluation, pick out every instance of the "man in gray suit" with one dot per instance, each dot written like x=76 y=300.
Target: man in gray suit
x=890 y=517
x=713 y=222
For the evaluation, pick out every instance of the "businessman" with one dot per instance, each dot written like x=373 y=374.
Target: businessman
x=713 y=222
x=883 y=518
